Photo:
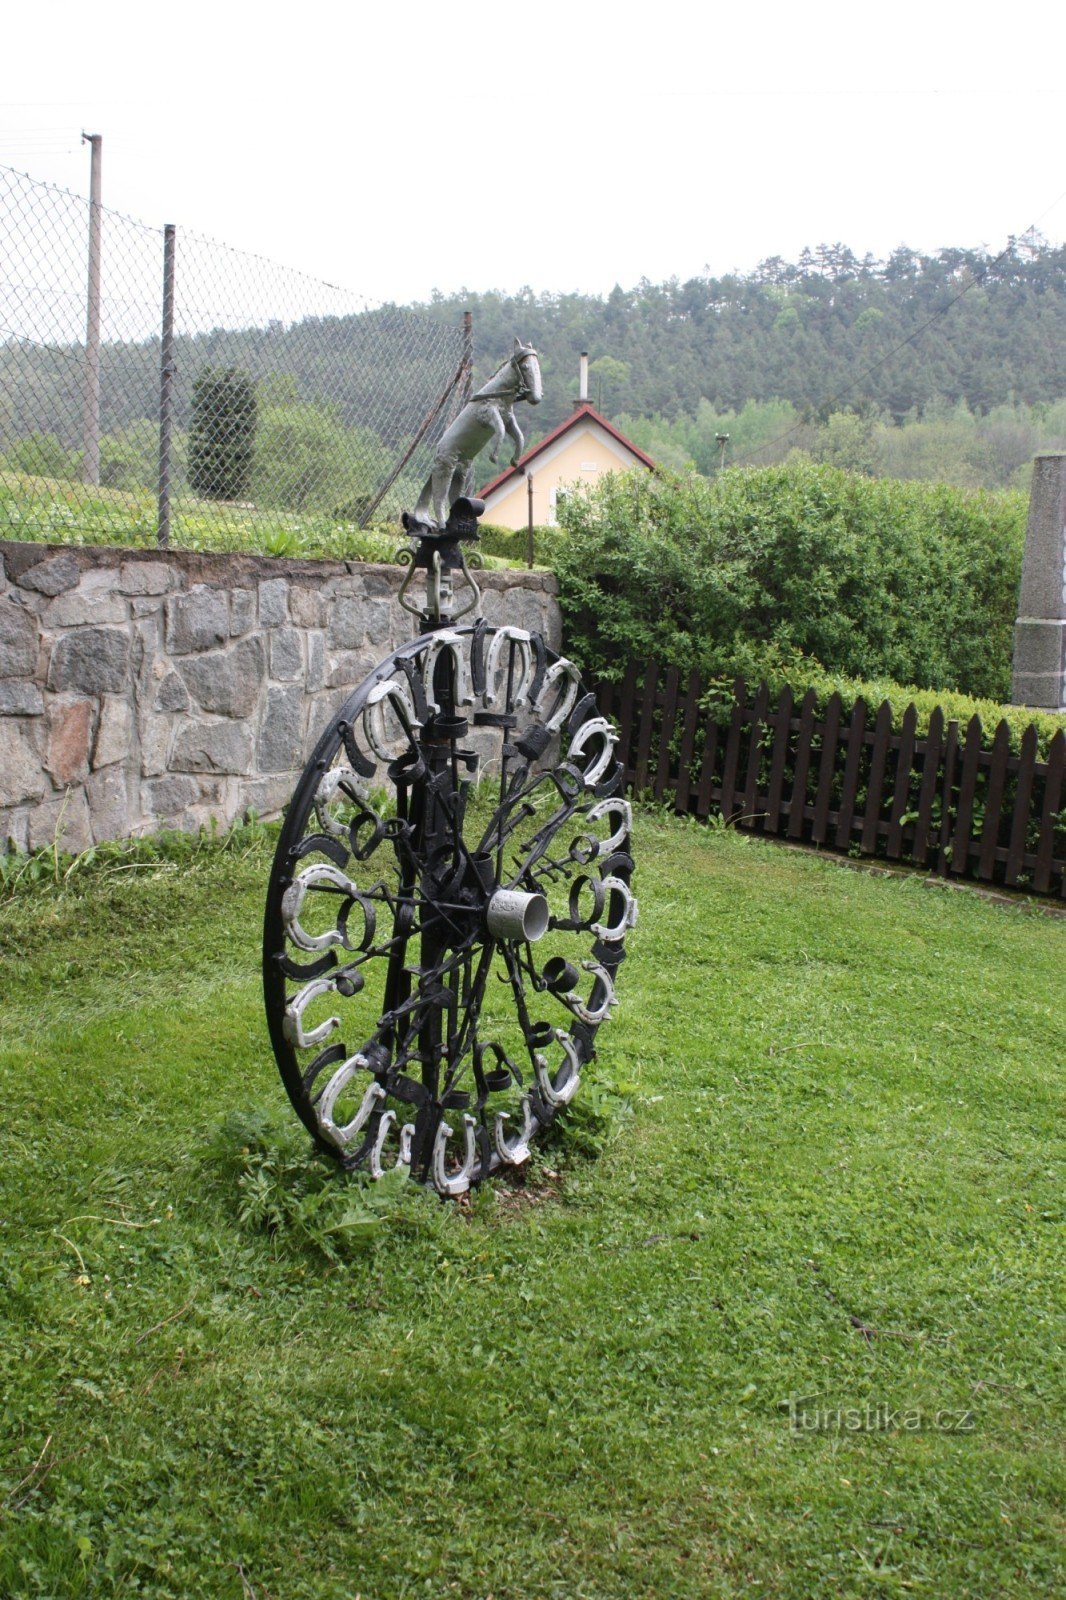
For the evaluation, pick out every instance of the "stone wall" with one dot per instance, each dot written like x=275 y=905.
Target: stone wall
x=144 y=689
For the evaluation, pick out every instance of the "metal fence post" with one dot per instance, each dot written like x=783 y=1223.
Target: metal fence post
x=166 y=385
x=90 y=422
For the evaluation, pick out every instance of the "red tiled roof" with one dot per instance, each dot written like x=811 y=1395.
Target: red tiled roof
x=586 y=410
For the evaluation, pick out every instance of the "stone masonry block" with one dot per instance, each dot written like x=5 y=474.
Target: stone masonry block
x=316 y=659
x=114 y=733
x=198 y=620
x=281 y=736
x=94 y=660
x=226 y=681
x=273 y=602
x=70 y=725
x=109 y=808
x=77 y=608
x=242 y=612
x=21 y=774
x=308 y=607
x=165 y=797
x=146 y=577
x=14 y=828
x=347 y=623
x=18 y=640
x=286 y=654
x=212 y=747
x=172 y=694
x=62 y=820
x=19 y=697
x=53 y=575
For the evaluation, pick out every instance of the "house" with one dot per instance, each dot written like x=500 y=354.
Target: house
x=579 y=450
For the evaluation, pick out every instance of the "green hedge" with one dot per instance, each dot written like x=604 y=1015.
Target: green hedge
x=792 y=572
x=960 y=707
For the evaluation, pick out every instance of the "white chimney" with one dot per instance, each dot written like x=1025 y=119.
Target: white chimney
x=583 y=387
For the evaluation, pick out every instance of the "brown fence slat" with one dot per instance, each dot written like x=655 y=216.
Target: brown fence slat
x=971 y=767
x=627 y=700
x=706 y=791
x=902 y=790
x=947 y=792
x=666 y=733
x=797 y=804
x=934 y=740
x=826 y=769
x=850 y=787
x=728 y=798
x=997 y=782
x=1056 y=762
x=605 y=696
x=876 y=782
x=690 y=717
x=752 y=818
x=1023 y=799
x=779 y=755
x=647 y=717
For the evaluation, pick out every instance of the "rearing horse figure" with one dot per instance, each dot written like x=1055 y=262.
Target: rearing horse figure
x=489 y=414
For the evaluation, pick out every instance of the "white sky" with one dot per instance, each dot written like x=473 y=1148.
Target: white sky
x=381 y=147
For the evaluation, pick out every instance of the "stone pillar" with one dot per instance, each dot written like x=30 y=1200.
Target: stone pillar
x=1040 y=631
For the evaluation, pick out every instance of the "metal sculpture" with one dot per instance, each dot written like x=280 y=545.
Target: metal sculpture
x=450 y=896
x=489 y=414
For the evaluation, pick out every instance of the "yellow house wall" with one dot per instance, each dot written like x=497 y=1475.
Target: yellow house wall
x=581 y=457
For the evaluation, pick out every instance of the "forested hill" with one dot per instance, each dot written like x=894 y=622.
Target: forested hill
x=801 y=332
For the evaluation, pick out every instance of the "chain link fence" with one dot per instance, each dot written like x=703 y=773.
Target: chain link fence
x=159 y=386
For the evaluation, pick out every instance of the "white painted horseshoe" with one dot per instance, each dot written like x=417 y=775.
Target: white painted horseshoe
x=572 y=1081
x=522 y=640
x=374 y=715
x=587 y=730
x=515 y=1151
x=334 y=1088
x=327 y=793
x=456 y=1182
x=374 y=1161
x=448 y=639
x=558 y=669
x=292 y=904
x=603 y=808
x=578 y=1006
x=611 y=932
x=293 y=1027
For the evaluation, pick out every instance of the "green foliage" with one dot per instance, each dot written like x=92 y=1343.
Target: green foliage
x=297 y=1196
x=803 y=331
x=222 y=434
x=306 y=460
x=44 y=454
x=794 y=569
x=512 y=544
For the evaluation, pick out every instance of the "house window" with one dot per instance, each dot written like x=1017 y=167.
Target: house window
x=556 y=497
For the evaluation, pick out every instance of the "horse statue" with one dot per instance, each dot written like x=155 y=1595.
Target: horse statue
x=489 y=414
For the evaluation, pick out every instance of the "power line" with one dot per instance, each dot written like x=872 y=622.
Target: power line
x=973 y=283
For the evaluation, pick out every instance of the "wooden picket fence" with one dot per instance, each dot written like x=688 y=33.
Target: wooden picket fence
x=948 y=801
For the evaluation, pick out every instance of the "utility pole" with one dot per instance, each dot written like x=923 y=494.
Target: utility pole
x=721 y=440
x=530 y=540
x=90 y=414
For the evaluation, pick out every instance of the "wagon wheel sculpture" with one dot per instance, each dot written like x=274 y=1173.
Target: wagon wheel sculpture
x=450 y=895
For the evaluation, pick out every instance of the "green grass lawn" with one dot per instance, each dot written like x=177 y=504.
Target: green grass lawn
x=836 y=1181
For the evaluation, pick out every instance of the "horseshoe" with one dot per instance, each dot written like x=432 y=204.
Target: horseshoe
x=456 y=1182
x=293 y=1027
x=571 y=1083
x=447 y=639
x=559 y=669
x=517 y=1151
x=587 y=730
x=334 y=1088
x=374 y=716
x=613 y=931
x=292 y=904
x=521 y=638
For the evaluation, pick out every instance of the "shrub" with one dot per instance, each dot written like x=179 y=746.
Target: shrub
x=222 y=434
x=793 y=569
